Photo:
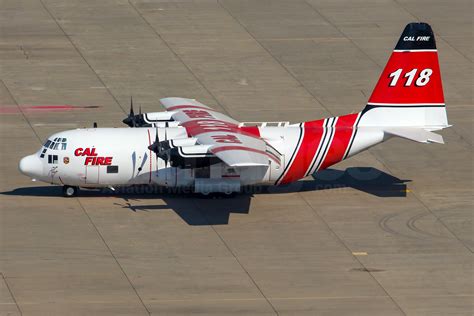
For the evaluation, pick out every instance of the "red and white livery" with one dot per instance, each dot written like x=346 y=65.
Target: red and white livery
x=192 y=145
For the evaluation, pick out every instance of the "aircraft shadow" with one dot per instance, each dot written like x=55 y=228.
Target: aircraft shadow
x=197 y=210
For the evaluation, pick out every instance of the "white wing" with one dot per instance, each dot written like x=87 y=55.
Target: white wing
x=236 y=146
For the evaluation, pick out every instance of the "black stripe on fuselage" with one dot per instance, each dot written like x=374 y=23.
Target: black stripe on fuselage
x=323 y=139
x=328 y=145
x=353 y=136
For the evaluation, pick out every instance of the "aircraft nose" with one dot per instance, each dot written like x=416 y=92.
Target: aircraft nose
x=30 y=166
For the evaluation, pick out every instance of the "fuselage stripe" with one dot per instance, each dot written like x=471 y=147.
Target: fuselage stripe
x=313 y=131
x=343 y=131
x=293 y=154
x=331 y=128
x=353 y=136
x=321 y=144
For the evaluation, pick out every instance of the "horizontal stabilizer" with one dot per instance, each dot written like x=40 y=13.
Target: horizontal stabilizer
x=416 y=134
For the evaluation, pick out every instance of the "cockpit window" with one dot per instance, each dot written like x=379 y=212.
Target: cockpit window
x=57 y=143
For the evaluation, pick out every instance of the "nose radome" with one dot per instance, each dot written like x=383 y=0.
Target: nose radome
x=30 y=166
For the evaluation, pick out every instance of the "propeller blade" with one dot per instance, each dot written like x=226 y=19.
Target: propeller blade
x=131 y=107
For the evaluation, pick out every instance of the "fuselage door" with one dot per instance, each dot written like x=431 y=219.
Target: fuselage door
x=92 y=174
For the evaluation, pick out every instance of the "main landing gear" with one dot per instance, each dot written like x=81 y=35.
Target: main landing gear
x=70 y=191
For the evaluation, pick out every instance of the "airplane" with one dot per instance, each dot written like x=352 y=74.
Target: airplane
x=192 y=145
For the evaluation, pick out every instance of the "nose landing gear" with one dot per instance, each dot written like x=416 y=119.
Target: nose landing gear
x=70 y=191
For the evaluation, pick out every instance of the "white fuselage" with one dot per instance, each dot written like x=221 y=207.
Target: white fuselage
x=101 y=157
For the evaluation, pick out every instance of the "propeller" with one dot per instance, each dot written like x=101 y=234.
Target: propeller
x=161 y=148
x=130 y=120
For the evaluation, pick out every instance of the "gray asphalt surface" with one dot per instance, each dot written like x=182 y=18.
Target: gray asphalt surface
x=394 y=238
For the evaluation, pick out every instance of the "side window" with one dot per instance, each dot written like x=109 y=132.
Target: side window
x=51 y=145
x=50 y=158
x=56 y=146
x=112 y=169
x=63 y=146
x=55 y=159
x=43 y=152
x=48 y=142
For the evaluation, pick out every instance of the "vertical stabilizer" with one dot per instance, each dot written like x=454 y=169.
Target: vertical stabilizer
x=409 y=91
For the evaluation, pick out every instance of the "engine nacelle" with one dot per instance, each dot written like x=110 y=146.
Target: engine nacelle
x=196 y=156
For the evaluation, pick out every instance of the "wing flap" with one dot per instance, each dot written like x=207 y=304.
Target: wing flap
x=240 y=156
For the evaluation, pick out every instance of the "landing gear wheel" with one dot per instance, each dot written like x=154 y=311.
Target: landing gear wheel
x=70 y=191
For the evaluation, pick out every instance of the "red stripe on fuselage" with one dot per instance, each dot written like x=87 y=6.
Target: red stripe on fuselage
x=313 y=132
x=343 y=132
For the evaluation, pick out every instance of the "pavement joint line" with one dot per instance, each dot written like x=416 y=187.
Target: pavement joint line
x=11 y=294
x=351 y=252
x=21 y=111
x=113 y=255
x=235 y=257
x=320 y=103
x=81 y=55
x=245 y=299
x=437 y=34
x=178 y=57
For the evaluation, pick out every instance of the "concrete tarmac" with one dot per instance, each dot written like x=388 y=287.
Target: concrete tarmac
x=393 y=238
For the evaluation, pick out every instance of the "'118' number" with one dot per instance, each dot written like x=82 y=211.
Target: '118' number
x=422 y=80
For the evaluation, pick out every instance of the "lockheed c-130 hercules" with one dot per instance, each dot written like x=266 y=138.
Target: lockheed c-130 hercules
x=191 y=145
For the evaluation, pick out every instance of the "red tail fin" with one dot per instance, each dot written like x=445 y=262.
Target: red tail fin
x=412 y=75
